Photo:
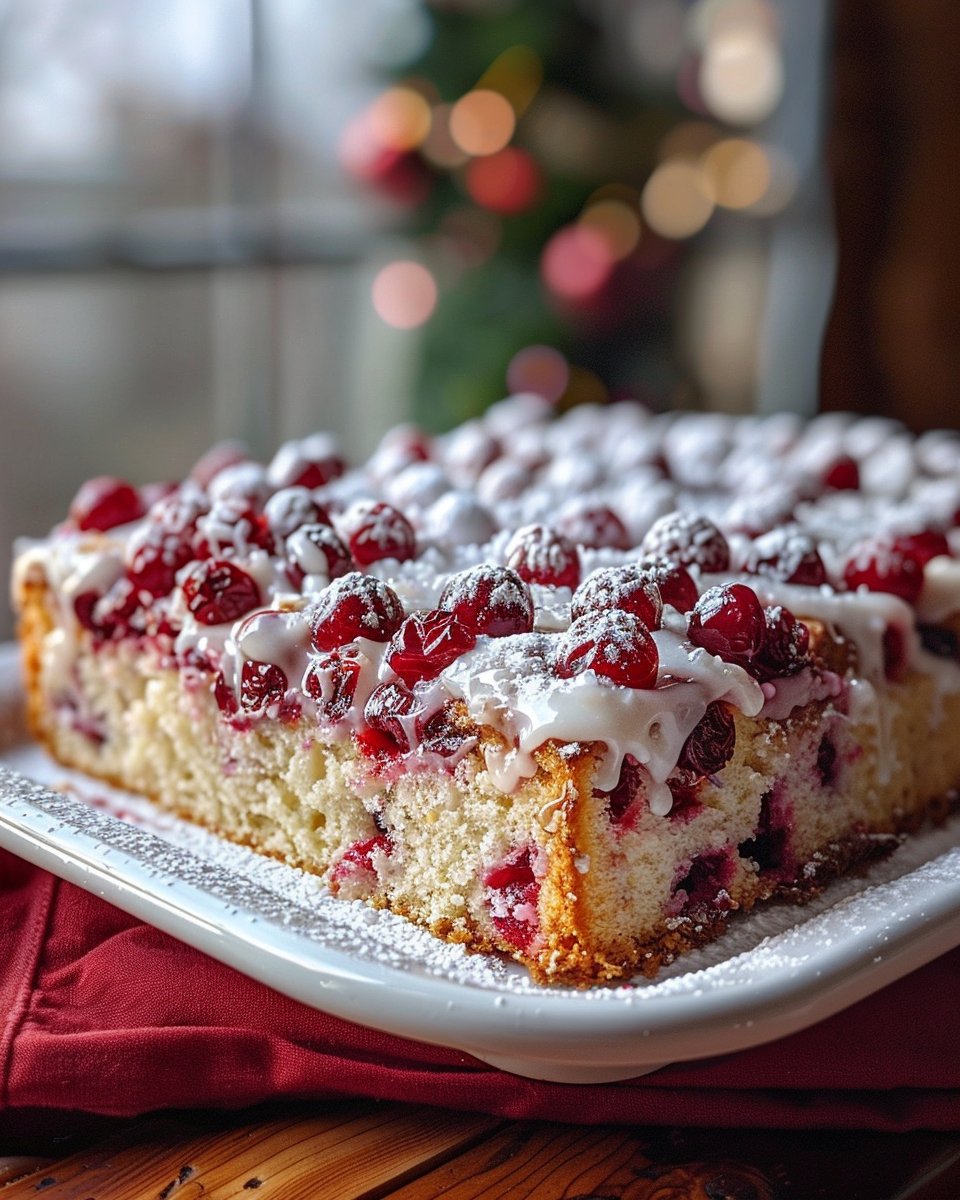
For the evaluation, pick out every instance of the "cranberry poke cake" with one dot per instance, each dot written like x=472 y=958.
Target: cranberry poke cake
x=573 y=689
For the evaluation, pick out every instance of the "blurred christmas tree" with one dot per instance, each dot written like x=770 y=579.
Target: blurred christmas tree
x=545 y=159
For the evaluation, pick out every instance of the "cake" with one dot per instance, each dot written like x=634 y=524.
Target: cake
x=575 y=689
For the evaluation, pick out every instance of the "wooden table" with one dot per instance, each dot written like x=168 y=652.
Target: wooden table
x=349 y=1150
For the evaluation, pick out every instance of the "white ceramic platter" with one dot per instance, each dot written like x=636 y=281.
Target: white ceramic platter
x=775 y=972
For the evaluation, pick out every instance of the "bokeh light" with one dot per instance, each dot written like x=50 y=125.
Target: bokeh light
x=482 y=122
x=516 y=74
x=399 y=119
x=617 y=221
x=404 y=294
x=737 y=173
x=675 y=202
x=741 y=76
x=539 y=369
x=576 y=263
x=507 y=182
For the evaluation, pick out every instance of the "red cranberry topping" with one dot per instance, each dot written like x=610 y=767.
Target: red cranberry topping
x=331 y=680
x=232 y=527
x=83 y=605
x=426 y=643
x=355 y=606
x=375 y=531
x=359 y=858
x=710 y=746
x=316 y=550
x=441 y=734
x=217 y=591
x=265 y=684
x=104 y=503
x=729 y=622
x=392 y=710
x=595 y=526
x=541 y=555
x=883 y=564
x=225 y=696
x=689 y=539
x=309 y=463
x=624 y=588
x=674 y=581
x=292 y=507
x=787 y=554
x=894 y=654
x=785 y=646
x=489 y=600
x=926 y=545
x=842 y=475
x=615 y=644
x=514 y=890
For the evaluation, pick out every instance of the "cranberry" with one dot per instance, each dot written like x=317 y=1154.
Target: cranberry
x=218 y=591
x=316 y=550
x=785 y=646
x=621 y=806
x=787 y=554
x=595 y=526
x=441 y=734
x=615 y=644
x=375 y=531
x=710 y=746
x=729 y=622
x=232 y=527
x=355 y=606
x=331 y=680
x=622 y=588
x=673 y=580
x=541 y=555
x=930 y=543
x=225 y=696
x=309 y=463
x=392 y=710
x=689 y=539
x=489 y=600
x=842 y=475
x=263 y=685
x=83 y=605
x=884 y=564
x=104 y=503
x=292 y=507
x=704 y=886
x=359 y=858
x=514 y=891
x=827 y=767
x=113 y=611
x=426 y=643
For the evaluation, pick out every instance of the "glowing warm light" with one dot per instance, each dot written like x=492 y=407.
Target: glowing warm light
x=516 y=74
x=404 y=294
x=675 y=202
x=583 y=387
x=539 y=369
x=576 y=262
x=737 y=173
x=399 y=119
x=482 y=122
x=439 y=147
x=617 y=222
x=741 y=76
x=506 y=182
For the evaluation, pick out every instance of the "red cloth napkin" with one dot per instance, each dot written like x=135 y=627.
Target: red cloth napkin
x=103 y=1014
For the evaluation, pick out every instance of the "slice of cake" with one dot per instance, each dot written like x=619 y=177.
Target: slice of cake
x=571 y=689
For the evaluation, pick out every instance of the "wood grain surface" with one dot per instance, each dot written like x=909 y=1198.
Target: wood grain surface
x=366 y=1151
